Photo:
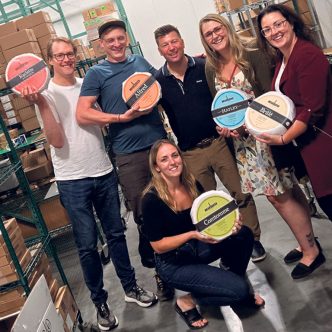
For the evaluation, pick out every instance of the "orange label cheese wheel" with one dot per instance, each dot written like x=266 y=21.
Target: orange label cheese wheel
x=141 y=88
x=27 y=70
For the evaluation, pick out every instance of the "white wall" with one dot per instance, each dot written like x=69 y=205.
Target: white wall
x=147 y=15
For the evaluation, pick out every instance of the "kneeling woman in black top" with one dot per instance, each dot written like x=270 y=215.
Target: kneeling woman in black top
x=183 y=255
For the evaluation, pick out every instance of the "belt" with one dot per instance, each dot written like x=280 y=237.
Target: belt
x=204 y=143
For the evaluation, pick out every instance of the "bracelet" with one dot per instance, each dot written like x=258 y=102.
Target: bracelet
x=119 y=117
x=282 y=139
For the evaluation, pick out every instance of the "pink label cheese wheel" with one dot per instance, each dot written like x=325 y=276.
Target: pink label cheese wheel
x=27 y=70
x=141 y=88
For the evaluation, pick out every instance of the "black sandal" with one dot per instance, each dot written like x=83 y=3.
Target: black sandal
x=190 y=316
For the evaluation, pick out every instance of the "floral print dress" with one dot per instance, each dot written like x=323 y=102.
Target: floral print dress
x=254 y=160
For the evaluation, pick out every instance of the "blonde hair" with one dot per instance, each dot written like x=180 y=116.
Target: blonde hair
x=158 y=183
x=237 y=45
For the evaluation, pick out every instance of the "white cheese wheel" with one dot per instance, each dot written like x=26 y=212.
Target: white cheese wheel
x=229 y=107
x=271 y=113
x=214 y=214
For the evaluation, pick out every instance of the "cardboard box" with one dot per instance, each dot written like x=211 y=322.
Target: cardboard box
x=32 y=20
x=3 y=83
x=31 y=47
x=7 y=28
x=39 y=317
x=43 y=29
x=99 y=51
x=11 y=306
x=9 y=270
x=27 y=112
x=65 y=304
x=43 y=41
x=12 y=121
x=34 y=158
x=30 y=124
x=302 y=5
x=307 y=18
x=53 y=212
x=17 y=38
x=105 y=9
x=19 y=102
x=39 y=172
x=233 y=4
x=18 y=246
x=54 y=288
x=2 y=71
x=2 y=58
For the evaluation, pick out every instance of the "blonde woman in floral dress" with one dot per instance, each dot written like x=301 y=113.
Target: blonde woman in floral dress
x=231 y=64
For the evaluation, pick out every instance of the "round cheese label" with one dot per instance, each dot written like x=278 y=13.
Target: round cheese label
x=271 y=113
x=229 y=107
x=141 y=88
x=214 y=214
x=27 y=70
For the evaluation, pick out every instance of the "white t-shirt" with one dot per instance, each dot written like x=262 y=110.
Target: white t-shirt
x=83 y=154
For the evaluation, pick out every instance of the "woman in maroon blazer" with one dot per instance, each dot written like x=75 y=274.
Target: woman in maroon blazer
x=303 y=74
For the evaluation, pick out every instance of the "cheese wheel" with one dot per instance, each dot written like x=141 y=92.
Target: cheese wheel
x=229 y=107
x=214 y=214
x=271 y=113
x=27 y=70
x=142 y=89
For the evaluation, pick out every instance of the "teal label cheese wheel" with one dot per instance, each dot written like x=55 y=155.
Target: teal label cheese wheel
x=214 y=214
x=271 y=113
x=229 y=107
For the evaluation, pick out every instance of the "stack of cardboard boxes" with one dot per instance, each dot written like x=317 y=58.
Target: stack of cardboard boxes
x=16 y=110
x=13 y=133
x=93 y=18
x=303 y=10
x=36 y=164
x=12 y=300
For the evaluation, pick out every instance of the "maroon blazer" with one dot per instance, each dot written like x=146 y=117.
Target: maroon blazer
x=307 y=81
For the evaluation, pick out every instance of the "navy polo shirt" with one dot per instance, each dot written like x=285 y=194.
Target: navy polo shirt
x=188 y=103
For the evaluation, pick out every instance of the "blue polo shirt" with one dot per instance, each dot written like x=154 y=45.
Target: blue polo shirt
x=104 y=80
x=188 y=103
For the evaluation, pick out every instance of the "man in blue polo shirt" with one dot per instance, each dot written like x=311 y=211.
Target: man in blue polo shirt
x=187 y=102
x=131 y=137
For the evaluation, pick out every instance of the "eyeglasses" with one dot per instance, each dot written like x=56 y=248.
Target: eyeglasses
x=266 y=32
x=217 y=31
x=61 y=56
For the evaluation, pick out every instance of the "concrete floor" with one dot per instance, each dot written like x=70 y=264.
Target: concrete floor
x=291 y=306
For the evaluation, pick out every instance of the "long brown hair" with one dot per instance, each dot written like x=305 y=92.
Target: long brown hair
x=237 y=45
x=301 y=30
x=158 y=183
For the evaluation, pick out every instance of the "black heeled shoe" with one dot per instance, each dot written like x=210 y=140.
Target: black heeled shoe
x=301 y=270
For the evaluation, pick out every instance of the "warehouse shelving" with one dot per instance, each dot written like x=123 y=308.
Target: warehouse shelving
x=13 y=9
x=41 y=243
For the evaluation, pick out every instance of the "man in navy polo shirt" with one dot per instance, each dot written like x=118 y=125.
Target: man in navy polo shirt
x=187 y=102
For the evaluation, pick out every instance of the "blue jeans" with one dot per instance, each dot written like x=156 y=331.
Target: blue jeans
x=187 y=268
x=79 y=197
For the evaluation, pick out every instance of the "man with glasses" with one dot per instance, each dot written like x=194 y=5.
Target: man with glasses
x=86 y=180
x=131 y=139
x=187 y=101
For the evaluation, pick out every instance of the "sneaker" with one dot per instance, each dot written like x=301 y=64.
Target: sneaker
x=105 y=318
x=141 y=297
x=164 y=292
x=258 y=252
